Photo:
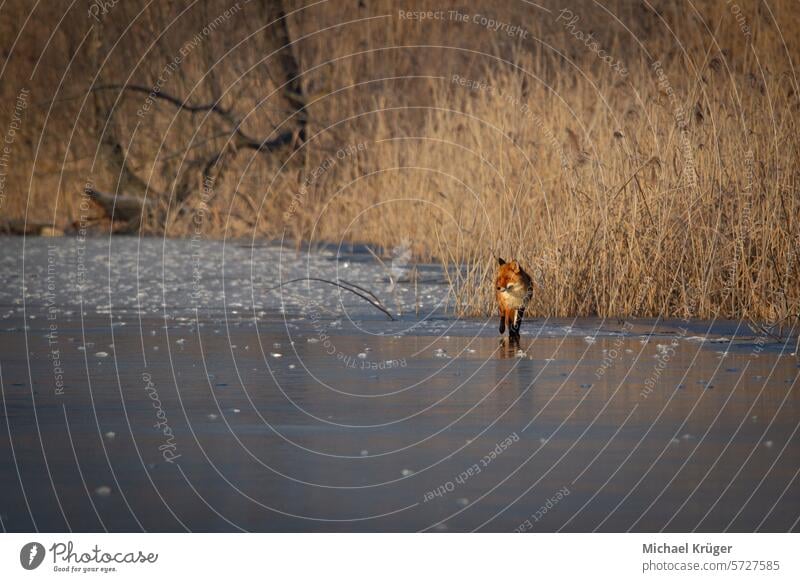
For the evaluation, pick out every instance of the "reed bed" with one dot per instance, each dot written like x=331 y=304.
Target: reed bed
x=668 y=190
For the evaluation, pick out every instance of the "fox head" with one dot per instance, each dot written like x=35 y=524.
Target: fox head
x=508 y=275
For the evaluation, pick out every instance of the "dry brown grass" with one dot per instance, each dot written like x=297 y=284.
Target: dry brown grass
x=670 y=191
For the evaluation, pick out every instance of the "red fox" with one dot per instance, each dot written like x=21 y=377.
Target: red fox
x=513 y=290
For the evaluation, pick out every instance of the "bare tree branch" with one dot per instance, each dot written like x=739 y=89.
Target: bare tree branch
x=241 y=139
x=352 y=287
x=159 y=94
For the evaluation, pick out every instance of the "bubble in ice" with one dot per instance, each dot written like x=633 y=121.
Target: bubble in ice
x=110 y=434
x=103 y=491
x=406 y=472
x=102 y=354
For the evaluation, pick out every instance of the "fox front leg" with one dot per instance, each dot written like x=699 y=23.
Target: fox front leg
x=517 y=323
x=502 y=321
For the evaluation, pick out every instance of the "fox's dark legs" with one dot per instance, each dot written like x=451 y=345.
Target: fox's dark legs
x=512 y=324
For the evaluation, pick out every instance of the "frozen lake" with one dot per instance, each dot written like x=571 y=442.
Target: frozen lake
x=166 y=385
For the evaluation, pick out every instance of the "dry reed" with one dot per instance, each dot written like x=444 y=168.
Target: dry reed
x=671 y=190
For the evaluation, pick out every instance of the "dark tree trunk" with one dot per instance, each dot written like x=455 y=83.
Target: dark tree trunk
x=280 y=40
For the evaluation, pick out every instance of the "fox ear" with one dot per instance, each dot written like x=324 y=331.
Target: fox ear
x=515 y=266
x=501 y=261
